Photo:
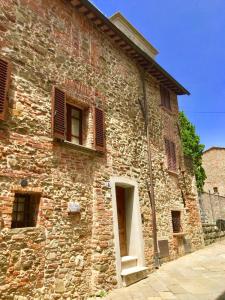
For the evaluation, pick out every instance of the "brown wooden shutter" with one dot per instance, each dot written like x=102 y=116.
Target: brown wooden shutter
x=173 y=156
x=162 y=94
x=99 y=129
x=5 y=70
x=165 y=97
x=168 y=153
x=58 y=114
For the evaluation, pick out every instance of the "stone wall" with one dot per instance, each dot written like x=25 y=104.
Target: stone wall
x=51 y=44
x=213 y=162
x=212 y=234
x=22 y=261
x=212 y=207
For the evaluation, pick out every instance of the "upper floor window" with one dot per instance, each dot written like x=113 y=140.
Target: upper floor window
x=165 y=97
x=74 y=124
x=171 y=154
x=77 y=124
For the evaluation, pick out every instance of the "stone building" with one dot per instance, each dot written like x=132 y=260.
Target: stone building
x=213 y=162
x=75 y=211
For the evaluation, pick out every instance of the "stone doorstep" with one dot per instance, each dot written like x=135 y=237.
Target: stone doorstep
x=128 y=262
x=132 y=275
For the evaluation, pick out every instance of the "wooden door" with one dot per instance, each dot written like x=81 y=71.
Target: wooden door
x=121 y=213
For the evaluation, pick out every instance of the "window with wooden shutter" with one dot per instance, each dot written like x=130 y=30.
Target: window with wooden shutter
x=4 y=84
x=171 y=154
x=165 y=97
x=99 y=129
x=58 y=114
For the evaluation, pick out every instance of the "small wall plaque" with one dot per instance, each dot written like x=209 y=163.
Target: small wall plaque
x=73 y=208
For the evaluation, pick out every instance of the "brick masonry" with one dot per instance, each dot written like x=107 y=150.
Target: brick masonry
x=49 y=43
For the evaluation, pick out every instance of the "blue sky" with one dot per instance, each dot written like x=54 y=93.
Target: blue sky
x=190 y=37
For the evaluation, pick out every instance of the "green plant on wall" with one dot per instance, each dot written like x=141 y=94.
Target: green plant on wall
x=192 y=148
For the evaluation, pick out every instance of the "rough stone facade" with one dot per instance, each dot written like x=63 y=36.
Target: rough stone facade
x=214 y=164
x=49 y=43
x=212 y=234
x=212 y=207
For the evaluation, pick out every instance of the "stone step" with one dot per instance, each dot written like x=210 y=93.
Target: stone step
x=128 y=262
x=132 y=275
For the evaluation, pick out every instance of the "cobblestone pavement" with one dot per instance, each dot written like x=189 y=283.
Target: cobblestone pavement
x=197 y=276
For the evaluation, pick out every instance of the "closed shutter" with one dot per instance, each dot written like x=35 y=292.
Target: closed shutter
x=168 y=153
x=162 y=94
x=165 y=97
x=99 y=129
x=173 y=156
x=58 y=114
x=5 y=69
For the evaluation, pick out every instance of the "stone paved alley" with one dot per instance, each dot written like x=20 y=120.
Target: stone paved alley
x=197 y=276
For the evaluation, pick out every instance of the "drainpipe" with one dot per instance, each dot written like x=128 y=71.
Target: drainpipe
x=150 y=188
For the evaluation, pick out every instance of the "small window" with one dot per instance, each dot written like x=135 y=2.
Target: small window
x=74 y=125
x=176 y=221
x=171 y=154
x=165 y=98
x=25 y=211
x=215 y=190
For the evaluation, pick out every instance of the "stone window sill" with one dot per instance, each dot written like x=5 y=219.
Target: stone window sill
x=80 y=148
x=172 y=172
x=179 y=234
x=20 y=230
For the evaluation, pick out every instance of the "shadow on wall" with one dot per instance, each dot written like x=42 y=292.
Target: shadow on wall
x=221 y=297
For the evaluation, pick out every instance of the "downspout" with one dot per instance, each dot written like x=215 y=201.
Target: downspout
x=150 y=187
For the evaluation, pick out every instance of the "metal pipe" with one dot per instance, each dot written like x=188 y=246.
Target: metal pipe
x=151 y=194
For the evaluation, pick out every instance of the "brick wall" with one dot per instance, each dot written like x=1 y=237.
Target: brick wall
x=49 y=43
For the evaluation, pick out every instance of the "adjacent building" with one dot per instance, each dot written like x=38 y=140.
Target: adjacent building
x=213 y=162
x=74 y=207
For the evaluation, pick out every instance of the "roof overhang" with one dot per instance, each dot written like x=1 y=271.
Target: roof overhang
x=141 y=58
x=214 y=148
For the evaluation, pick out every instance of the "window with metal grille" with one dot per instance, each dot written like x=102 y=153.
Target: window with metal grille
x=176 y=221
x=74 y=124
x=25 y=210
x=165 y=97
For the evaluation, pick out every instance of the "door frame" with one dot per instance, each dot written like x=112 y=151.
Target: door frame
x=127 y=183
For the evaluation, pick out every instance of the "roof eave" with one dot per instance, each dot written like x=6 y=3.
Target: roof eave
x=143 y=59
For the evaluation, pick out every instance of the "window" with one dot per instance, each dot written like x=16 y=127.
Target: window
x=215 y=190
x=171 y=154
x=176 y=221
x=74 y=124
x=25 y=211
x=165 y=98
x=79 y=126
